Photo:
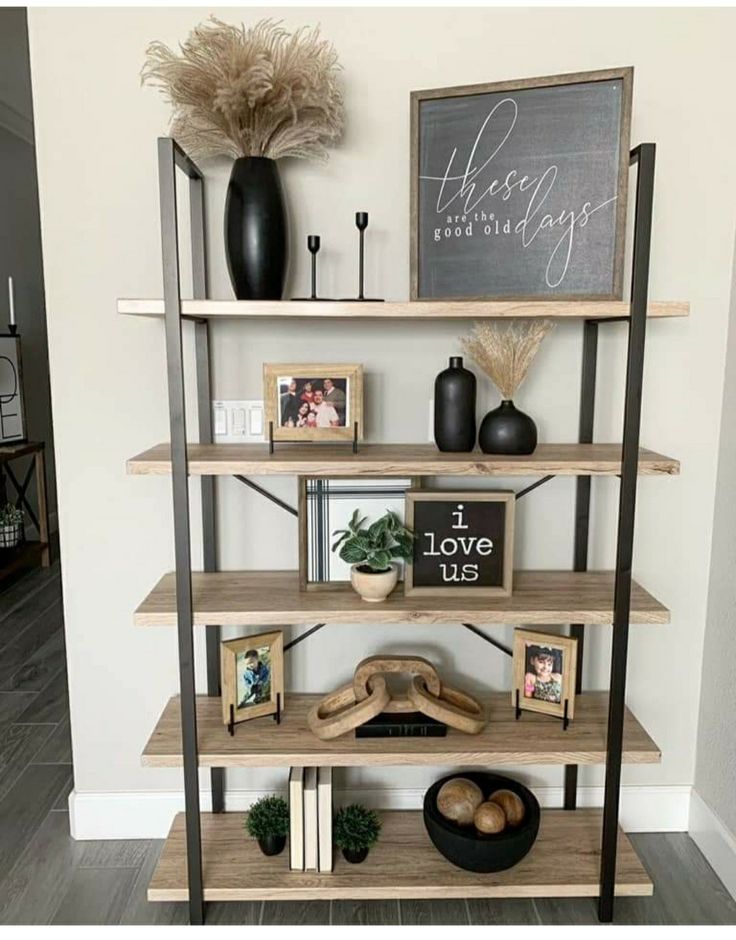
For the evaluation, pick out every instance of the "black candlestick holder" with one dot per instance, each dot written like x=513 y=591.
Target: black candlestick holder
x=361 y=223
x=313 y=244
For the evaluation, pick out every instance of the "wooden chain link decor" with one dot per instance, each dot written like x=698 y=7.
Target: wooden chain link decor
x=368 y=695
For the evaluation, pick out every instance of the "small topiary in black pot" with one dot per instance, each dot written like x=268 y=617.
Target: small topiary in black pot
x=356 y=829
x=268 y=821
x=470 y=850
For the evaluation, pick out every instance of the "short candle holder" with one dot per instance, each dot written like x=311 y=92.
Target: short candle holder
x=313 y=245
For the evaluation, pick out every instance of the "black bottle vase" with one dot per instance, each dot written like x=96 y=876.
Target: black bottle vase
x=454 y=408
x=506 y=430
x=256 y=232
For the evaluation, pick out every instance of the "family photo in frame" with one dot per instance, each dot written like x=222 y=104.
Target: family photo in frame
x=313 y=401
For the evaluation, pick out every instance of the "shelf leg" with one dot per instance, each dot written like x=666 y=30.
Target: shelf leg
x=209 y=512
x=582 y=515
x=644 y=155
x=167 y=160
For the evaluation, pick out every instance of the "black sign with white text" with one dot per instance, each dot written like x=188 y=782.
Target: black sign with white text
x=459 y=543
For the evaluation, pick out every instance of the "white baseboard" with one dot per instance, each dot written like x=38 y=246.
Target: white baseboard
x=148 y=815
x=714 y=840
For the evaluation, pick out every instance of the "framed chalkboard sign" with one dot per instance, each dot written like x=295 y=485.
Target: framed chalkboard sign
x=463 y=543
x=519 y=189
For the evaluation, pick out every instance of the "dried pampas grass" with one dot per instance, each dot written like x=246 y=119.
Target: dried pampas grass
x=505 y=350
x=258 y=91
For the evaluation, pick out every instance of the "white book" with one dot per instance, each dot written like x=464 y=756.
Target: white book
x=310 y=819
x=296 y=819
x=324 y=817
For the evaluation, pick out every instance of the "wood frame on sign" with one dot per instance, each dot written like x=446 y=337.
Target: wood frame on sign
x=303 y=524
x=500 y=496
x=353 y=372
x=229 y=650
x=625 y=74
x=569 y=645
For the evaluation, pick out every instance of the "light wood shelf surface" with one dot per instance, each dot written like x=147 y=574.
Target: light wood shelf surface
x=564 y=862
x=330 y=460
x=261 y=598
x=402 y=310
x=533 y=739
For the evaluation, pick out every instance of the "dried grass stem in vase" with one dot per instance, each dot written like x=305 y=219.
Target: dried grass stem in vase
x=256 y=94
x=505 y=350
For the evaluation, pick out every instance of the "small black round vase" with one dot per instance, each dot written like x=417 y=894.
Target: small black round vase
x=454 y=408
x=272 y=845
x=256 y=231
x=355 y=856
x=506 y=430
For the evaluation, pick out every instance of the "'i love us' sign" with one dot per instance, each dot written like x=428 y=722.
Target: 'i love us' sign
x=518 y=189
x=463 y=543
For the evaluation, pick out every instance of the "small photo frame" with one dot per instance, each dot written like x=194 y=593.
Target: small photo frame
x=252 y=676
x=313 y=401
x=545 y=668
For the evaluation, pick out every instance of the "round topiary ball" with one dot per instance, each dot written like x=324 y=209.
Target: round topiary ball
x=458 y=800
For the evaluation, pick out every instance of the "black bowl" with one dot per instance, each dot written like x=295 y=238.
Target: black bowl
x=464 y=846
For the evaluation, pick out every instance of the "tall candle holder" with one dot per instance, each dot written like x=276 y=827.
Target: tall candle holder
x=361 y=223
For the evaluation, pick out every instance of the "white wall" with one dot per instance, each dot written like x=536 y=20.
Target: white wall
x=96 y=133
x=713 y=820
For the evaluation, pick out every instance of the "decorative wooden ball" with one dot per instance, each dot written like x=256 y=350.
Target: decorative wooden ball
x=458 y=800
x=489 y=818
x=511 y=804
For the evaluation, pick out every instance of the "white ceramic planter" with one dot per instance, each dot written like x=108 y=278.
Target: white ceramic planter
x=372 y=586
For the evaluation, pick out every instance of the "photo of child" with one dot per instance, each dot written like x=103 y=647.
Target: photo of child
x=545 y=669
x=543 y=673
x=253 y=671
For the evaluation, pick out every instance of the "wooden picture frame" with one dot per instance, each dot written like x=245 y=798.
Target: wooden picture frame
x=346 y=378
x=624 y=76
x=525 y=642
x=322 y=504
x=461 y=588
x=232 y=659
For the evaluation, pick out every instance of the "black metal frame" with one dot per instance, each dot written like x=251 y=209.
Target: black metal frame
x=170 y=156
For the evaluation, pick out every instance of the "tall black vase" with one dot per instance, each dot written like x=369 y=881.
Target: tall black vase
x=256 y=232
x=506 y=430
x=454 y=408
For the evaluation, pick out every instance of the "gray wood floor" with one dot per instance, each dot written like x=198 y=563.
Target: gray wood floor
x=48 y=878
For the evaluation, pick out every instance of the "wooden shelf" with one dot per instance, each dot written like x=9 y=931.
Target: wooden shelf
x=258 y=598
x=328 y=460
x=564 y=862
x=403 y=310
x=534 y=739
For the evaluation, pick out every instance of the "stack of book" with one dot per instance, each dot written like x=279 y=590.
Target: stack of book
x=310 y=819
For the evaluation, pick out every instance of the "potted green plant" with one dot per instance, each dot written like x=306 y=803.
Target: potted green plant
x=369 y=549
x=255 y=94
x=11 y=526
x=268 y=822
x=356 y=829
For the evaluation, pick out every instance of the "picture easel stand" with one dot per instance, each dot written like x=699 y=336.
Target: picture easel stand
x=271 y=441
x=565 y=719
